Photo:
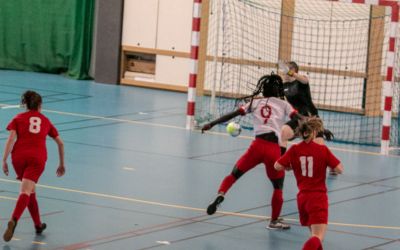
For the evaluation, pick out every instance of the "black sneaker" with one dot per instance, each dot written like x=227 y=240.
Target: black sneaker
x=41 y=228
x=8 y=234
x=278 y=224
x=212 y=208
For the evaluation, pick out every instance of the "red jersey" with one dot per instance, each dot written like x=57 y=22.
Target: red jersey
x=309 y=162
x=32 y=128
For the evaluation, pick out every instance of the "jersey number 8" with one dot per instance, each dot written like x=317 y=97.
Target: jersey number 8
x=34 y=125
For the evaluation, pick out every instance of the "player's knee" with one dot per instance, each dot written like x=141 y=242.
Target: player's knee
x=287 y=133
x=278 y=183
x=236 y=173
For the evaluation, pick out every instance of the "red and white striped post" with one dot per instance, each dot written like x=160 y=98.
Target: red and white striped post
x=390 y=62
x=194 y=58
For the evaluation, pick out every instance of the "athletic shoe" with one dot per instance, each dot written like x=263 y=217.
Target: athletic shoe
x=41 y=228
x=278 y=224
x=212 y=208
x=8 y=234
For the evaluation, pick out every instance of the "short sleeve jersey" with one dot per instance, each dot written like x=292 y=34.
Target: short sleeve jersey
x=299 y=96
x=31 y=127
x=269 y=114
x=309 y=162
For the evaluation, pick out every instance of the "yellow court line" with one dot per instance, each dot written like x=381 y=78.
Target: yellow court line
x=182 y=128
x=251 y=216
x=39 y=243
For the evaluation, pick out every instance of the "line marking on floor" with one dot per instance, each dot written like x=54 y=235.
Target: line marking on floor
x=250 y=216
x=5 y=106
x=128 y=168
x=39 y=243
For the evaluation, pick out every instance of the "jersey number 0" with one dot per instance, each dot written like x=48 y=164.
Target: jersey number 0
x=34 y=125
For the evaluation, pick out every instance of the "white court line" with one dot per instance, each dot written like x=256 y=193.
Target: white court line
x=2 y=105
x=251 y=216
x=128 y=169
x=39 y=243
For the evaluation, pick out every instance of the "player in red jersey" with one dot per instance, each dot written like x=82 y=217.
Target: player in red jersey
x=27 y=145
x=269 y=115
x=309 y=161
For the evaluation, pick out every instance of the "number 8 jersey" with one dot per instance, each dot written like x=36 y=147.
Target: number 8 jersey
x=31 y=127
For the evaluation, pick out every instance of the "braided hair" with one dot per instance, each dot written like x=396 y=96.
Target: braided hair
x=31 y=100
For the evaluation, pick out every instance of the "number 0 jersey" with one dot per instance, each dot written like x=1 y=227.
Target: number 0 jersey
x=32 y=128
x=269 y=114
x=309 y=162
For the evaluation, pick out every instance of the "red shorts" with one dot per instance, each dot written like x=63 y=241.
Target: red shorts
x=30 y=168
x=313 y=208
x=261 y=151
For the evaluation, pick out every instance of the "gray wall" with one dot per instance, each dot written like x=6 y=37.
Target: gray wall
x=107 y=41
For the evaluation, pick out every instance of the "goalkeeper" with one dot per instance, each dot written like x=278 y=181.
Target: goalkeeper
x=296 y=89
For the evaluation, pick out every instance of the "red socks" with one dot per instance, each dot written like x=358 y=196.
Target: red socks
x=313 y=243
x=22 y=202
x=226 y=184
x=276 y=203
x=34 y=210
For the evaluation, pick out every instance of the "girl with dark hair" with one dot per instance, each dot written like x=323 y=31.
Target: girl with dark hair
x=309 y=161
x=27 y=145
x=269 y=112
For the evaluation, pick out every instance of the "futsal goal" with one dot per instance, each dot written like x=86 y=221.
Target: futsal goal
x=348 y=49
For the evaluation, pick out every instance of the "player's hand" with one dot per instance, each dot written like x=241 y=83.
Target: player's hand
x=206 y=127
x=60 y=171
x=328 y=135
x=5 y=168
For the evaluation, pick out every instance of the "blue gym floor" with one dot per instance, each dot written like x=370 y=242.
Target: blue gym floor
x=136 y=179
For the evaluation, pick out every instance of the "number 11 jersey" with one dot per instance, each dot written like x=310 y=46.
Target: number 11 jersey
x=309 y=162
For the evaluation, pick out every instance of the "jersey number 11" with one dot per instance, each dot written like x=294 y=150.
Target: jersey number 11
x=306 y=165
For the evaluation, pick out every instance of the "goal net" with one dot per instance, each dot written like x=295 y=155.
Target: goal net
x=341 y=47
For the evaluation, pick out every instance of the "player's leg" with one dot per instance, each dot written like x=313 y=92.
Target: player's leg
x=272 y=153
x=33 y=208
x=33 y=172
x=27 y=186
x=317 y=210
x=317 y=236
x=248 y=161
x=287 y=134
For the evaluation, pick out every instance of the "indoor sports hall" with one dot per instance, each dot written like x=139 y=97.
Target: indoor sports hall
x=129 y=84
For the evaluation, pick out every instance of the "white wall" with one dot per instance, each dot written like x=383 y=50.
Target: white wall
x=161 y=24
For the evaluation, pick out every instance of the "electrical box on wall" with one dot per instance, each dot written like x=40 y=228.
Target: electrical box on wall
x=141 y=63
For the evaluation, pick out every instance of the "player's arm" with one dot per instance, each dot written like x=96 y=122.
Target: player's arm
x=61 y=166
x=338 y=169
x=284 y=162
x=278 y=166
x=301 y=78
x=9 y=145
x=334 y=162
x=224 y=118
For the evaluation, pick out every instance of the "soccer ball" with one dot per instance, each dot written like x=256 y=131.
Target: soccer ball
x=233 y=129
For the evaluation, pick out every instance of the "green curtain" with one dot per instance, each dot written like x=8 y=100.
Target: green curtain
x=52 y=36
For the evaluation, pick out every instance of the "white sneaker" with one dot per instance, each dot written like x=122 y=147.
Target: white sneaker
x=278 y=224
